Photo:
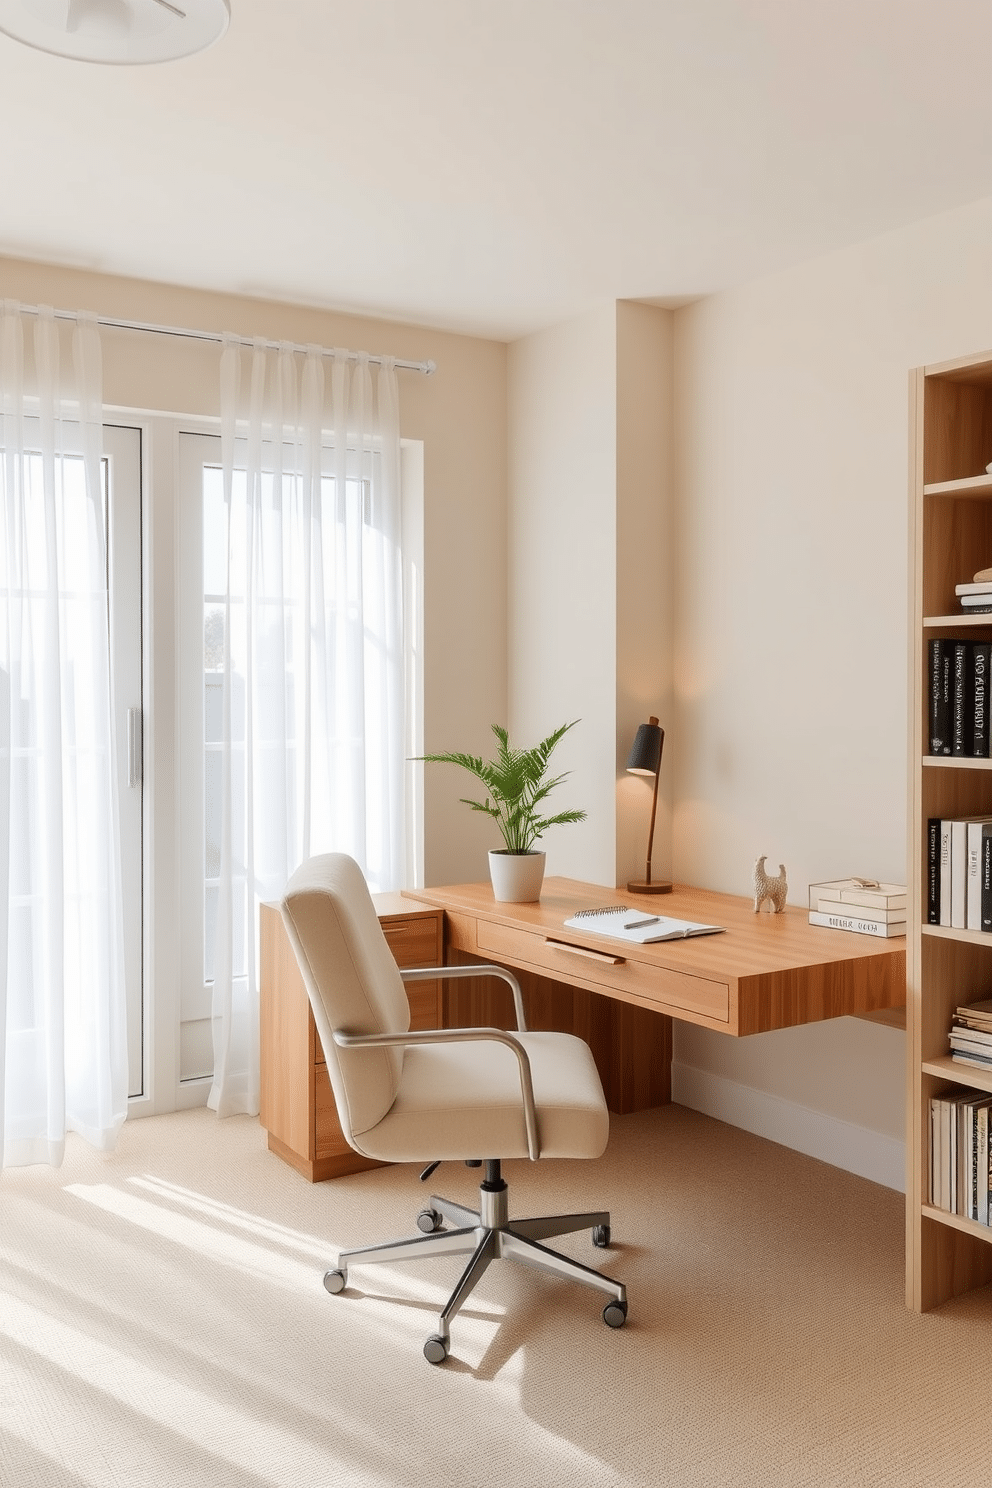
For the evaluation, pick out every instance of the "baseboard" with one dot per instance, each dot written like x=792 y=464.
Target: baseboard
x=857 y=1149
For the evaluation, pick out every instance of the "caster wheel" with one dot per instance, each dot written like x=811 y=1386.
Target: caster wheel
x=335 y=1281
x=428 y=1220
x=601 y=1236
x=615 y=1314
x=436 y=1349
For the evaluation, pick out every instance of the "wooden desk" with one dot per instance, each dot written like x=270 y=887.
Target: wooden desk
x=764 y=972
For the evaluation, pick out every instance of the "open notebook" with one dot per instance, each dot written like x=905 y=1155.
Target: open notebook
x=620 y=922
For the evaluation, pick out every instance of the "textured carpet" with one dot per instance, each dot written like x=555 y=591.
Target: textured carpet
x=163 y=1322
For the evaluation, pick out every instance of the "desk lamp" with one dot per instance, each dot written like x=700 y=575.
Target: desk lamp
x=645 y=759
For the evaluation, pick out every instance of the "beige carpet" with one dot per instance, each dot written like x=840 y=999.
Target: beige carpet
x=163 y=1322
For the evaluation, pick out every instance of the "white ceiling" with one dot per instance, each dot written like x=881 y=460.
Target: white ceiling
x=493 y=166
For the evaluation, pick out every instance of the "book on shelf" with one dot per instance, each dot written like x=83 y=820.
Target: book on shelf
x=981 y=661
x=962 y=699
x=940 y=696
x=970 y=1036
x=980 y=586
x=975 y=836
x=847 y=919
x=958 y=873
x=959 y=867
x=959 y=698
x=932 y=885
x=960 y=1154
x=975 y=1014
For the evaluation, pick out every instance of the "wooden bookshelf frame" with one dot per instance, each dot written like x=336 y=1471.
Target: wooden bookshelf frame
x=950 y=539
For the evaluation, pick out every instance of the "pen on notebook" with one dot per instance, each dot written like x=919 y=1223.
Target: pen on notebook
x=641 y=920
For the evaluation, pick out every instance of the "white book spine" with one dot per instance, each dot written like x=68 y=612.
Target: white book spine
x=973 y=893
x=945 y=872
x=851 y=922
x=959 y=874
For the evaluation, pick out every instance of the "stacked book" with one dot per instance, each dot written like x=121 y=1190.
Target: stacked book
x=860 y=904
x=960 y=1154
x=976 y=597
x=971 y=1035
x=958 y=888
x=959 y=697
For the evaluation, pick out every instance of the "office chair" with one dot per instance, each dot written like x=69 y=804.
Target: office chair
x=460 y=1094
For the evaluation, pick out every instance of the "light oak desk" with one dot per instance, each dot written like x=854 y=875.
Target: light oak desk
x=763 y=972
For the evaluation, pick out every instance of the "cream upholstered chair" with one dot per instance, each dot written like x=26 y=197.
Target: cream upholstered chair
x=466 y=1094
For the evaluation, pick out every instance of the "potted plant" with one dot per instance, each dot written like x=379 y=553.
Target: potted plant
x=517 y=785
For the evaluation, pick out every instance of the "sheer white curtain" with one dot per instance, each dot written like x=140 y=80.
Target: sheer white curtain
x=63 y=1046
x=311 y=732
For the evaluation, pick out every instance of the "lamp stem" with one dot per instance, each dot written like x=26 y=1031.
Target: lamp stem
x=654 y=808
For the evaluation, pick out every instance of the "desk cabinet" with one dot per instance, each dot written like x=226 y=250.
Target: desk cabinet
x=297 y=1104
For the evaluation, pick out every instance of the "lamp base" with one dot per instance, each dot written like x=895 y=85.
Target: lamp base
x=656 y=886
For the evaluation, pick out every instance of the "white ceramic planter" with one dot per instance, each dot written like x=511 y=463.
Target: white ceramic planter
x=517 y=877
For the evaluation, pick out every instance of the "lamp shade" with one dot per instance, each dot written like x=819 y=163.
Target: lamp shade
x=645 y=752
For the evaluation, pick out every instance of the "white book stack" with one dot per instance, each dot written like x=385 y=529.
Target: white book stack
x=976 y=597
x=864 y=905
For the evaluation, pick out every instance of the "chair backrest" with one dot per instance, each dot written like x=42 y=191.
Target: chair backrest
x=352 y=982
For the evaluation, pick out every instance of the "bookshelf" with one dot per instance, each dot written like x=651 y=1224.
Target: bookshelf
x=950 y=539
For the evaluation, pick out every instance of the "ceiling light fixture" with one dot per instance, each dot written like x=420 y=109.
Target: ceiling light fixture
x=125 y=33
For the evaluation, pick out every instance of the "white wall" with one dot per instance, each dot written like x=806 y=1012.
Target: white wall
x=792 y=602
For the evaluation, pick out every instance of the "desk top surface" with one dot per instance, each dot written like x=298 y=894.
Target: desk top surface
x=751 y=944
x=778 y=968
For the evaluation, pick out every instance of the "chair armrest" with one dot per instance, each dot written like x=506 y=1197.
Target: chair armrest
x=452 y=973
x=454 y=1036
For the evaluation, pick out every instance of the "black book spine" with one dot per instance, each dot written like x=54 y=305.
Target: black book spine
x=963 y=707
x=933 y=871
x=940 y=697
x=982 y=654
x=987 y=877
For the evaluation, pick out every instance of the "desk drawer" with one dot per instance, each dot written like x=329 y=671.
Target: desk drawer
x=650 y=986
x=414 y=942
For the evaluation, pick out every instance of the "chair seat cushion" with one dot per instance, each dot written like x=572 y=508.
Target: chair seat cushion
x=463 y=1100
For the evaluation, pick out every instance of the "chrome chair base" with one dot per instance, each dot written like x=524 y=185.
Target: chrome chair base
x=485 y=1235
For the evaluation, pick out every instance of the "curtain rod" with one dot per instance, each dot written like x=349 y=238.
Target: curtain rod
x=426 y=368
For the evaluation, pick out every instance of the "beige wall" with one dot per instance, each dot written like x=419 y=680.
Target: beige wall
x=562 y=571
x=589 y=627
x=792 y=595
x=460 y=415
x=645 y=577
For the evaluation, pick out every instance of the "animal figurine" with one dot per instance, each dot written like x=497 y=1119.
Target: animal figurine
x=766 y=887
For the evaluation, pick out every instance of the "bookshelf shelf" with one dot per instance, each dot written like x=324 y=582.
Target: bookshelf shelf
x=951 y=622
x=949 y=762
x=977 y=486
x=951 y=539
x=946 y=1068
x=980 y=1232
x=966 y=937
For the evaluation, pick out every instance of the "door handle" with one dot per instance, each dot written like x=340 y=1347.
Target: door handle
x=134 y=741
